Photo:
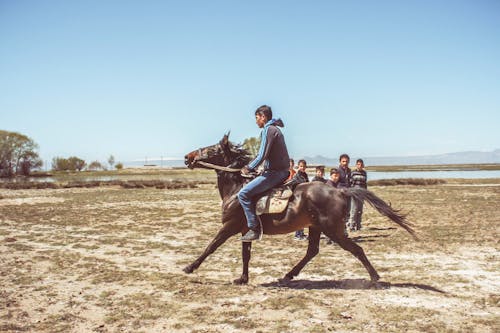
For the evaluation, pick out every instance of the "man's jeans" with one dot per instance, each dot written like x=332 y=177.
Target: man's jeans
x=248 y=194
x=355 y=214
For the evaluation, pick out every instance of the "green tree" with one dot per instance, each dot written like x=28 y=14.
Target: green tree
x=60 y=164
x=252 y=144
x=95 y=165
x=72 y=163
x=119 y=166
x=76 y=163
x=18 y=154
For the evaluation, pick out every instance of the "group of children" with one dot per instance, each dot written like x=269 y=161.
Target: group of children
x=339 y=177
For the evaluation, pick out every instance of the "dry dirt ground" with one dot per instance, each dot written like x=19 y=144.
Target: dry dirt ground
x=109 y=259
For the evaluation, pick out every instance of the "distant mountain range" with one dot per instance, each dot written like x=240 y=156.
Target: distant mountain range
x=465 y=157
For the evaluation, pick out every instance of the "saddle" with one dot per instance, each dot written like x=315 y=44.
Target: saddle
x=274 y=201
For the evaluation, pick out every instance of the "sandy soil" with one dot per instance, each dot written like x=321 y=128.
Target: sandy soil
x=109 y=259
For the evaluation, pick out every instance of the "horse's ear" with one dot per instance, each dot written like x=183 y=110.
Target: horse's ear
x=225 y=139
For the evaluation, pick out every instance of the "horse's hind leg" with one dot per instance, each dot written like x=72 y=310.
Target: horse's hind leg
x=312 y=251
x=349 y=245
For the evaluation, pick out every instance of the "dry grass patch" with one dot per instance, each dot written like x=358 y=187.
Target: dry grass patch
x=109 y=259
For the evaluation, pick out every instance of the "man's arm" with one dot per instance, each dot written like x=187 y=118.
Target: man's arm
x=265 y=144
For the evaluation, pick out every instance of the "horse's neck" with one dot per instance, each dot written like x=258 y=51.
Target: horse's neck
x=228 y=184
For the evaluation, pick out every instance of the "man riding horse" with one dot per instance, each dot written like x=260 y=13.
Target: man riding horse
x=314 y=205
x=274 y=155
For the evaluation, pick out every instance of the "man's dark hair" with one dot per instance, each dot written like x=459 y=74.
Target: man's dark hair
x=344 y=156
x=266 y=111
x=320 y=168
x=302 y=161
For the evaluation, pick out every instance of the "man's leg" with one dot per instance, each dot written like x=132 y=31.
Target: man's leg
x=359 y=215
x=248 y=193
x=245 y=196
x=353 y=216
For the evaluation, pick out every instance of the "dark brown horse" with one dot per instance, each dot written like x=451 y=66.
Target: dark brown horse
x=315 y=205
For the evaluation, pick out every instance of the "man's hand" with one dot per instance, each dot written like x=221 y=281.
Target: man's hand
x=244 y=170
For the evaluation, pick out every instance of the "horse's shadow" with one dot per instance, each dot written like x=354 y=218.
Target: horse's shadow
x=347 y=284
x=381 y=229
x=367 y=239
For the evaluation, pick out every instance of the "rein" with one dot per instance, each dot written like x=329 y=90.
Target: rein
x=217 y=167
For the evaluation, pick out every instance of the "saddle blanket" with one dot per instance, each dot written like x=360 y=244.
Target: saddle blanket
x=274 y=201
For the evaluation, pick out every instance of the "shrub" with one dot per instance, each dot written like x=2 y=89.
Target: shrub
x=68 y=164
x=95 y=165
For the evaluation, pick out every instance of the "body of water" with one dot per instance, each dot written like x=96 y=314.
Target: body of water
x=170 y=163
x=474 y=174
x=372 y=175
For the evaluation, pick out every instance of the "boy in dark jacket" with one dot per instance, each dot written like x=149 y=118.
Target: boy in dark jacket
x=300 y=177
x=358 y=179
x=333 y=181
x=334 y=177
x=274 y=155
x=320 y=172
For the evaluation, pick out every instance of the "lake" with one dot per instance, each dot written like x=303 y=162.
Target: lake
x=473 y=174
x=372 y=175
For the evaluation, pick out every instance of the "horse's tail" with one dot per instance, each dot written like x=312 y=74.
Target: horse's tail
x=381 y=206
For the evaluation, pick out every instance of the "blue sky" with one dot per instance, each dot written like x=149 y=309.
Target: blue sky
x=160 y=78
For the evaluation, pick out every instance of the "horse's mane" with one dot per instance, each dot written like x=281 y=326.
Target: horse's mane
x=229 y=183
x=239 y=155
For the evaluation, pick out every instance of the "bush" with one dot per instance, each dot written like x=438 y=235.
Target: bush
x=95 y=165
x=68 y=164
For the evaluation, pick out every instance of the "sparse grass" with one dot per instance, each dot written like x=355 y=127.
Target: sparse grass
x=120 y=253
x=61 y=322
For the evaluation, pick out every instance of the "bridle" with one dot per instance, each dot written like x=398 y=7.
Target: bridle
x=217 y=167
x=203 y=153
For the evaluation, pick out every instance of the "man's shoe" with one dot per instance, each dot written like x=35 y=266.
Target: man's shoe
x=252 y=235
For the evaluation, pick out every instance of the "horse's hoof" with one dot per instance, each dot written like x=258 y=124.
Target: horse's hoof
x=375 y=284
x=285 y=280
x=240 y=281
x=188 y=269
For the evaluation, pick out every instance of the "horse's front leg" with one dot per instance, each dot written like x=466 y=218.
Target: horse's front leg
x=246 y=250
x=312 y=251
x=224 y=233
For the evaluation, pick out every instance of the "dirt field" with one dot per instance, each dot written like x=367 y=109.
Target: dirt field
x=108 y=259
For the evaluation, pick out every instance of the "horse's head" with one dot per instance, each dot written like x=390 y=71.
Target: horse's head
x=223 y=153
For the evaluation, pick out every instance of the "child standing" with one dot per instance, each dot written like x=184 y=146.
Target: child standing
x=320 y=172
x=345 y=180
x=291 y=169
x=358 y=179
x=300 y=177
x=333 y=181
x=334 y=177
